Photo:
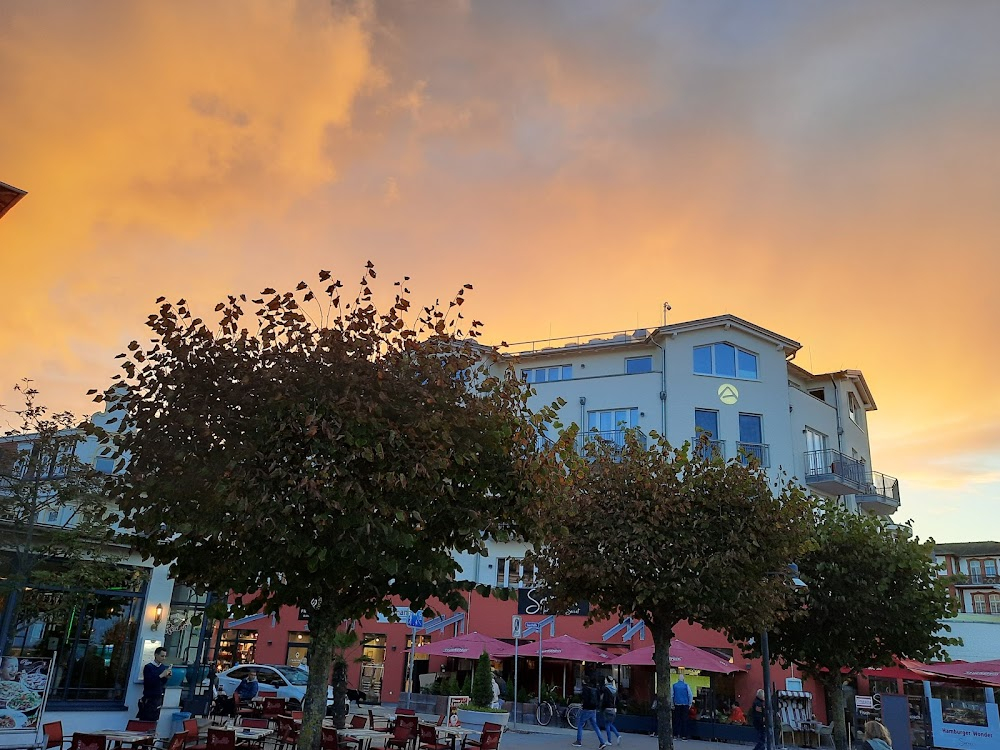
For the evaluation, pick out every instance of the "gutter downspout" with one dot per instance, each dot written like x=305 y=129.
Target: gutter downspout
x=663 y=383
x=836 y=406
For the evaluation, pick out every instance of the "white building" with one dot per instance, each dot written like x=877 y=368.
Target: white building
x=977 y=592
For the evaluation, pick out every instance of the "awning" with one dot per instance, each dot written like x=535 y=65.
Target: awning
x=681 y=655
x=468 y=646
x=565 y=648
x=983 y=672
x=895 y=672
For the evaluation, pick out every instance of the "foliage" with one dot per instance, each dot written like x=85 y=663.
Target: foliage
x=668 y=534
x=482 y=684
x=55 y=528
x=875 y=596
x=449 y=686
x=313 y=451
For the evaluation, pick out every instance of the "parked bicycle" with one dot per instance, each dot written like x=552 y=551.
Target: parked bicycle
x=546 y=710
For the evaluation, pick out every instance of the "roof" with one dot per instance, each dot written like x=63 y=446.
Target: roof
x=855 y=376
x=640 y=336
x=9 y=195
x=968 y=549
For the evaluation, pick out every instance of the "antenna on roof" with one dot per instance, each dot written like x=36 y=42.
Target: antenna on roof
x=666 y=308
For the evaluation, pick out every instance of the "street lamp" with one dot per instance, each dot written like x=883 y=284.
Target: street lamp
x=791 y=574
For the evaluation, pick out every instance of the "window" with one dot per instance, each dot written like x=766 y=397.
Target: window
x=815 y=453
x=818 y=393
x=298 y=649
x=752 y=438
x=635 y=365
x=853 y=407
x=373 y=647
x=975 y=571
x=995 y=604
x=105 y=465
x=612 y=420
x=725 y=360
x=979 y=604
x=512 y=573
x=991 y=568
x=706 y=420
x=547 y=374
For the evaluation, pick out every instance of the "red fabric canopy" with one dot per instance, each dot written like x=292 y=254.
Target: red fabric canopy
x=468 y=646
x=894 y=672
x=566 y=648
x=681 y=655
x=984 y=672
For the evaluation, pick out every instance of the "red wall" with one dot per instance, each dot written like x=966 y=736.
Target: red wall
x=493 y=617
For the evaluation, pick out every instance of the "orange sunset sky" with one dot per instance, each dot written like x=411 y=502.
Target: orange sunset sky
x=829 y=171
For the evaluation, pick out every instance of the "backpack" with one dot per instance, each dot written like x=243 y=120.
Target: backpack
x=607 y=698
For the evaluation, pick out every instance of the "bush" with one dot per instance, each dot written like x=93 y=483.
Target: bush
x=482 y=683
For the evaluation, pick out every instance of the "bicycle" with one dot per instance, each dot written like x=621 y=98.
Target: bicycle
x=546 y=710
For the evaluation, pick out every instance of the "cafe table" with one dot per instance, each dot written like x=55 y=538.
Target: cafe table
x=453 y=733
x=126 y=737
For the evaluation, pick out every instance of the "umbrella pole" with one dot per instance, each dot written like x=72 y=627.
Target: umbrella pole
x=564 y=681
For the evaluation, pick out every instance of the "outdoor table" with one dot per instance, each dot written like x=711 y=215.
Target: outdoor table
x=126 y=737
x=364 y=736
x=811 y=729
x=454 y=733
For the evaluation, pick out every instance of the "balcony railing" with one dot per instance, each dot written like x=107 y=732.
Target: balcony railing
x=832 y=472
x=760 y=451
x=711 y=449
x=881 y=492
x=613 y=438
x=980 y=579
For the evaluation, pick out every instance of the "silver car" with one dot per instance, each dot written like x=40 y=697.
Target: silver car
x=275 y=680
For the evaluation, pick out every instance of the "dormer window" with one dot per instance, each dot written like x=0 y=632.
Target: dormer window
x=725 y=360
x=853 y=407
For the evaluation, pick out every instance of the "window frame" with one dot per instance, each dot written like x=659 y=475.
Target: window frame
x=737 y=350
x=530 y=374
x=645 y=358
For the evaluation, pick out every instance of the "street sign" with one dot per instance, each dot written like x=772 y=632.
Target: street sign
x=515 y=626
x=415 y=619
x=864 y=701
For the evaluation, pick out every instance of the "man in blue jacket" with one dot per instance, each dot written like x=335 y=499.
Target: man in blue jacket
x=154 y=686
x=682 y=706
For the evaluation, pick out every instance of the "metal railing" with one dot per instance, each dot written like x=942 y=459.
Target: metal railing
x=711 y=449
x=760 y=451
x=882 y=485
x=830 y=462
x=615 y=438
x=981 y=578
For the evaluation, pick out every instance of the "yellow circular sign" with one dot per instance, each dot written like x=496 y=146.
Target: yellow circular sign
x=728 y=393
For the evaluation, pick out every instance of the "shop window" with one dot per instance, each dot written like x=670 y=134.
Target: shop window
x=298 y=649
x=92 y=635
x=373 y=648
x=236 y=647
x=180 y=633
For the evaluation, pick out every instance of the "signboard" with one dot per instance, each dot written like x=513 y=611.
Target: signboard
x=531 y=602
x=515 y=626
x=864 y=701
x=415 y=619
x=962 y=725
x=24 y=689
x=456 y=702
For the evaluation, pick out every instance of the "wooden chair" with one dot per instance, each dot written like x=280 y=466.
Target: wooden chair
x=273 y=708
x=333 y=741
x=191 y=732
x=288 y=733
x=489 y=739
x=54 y=736
x=358 y=722
x=221 y=739
x=176 y=742
x=429 y=739
x=404 y=733
x=84 y=741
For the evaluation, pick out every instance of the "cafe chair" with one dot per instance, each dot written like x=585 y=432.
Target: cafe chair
x=489 y=739
x=288 y=733
x=404 y=733
x=825 y=732
x=405 y=712
x=429 y=739
x=54 y=737
x=243 y=709
x=252 y=723
x=176 y=742
x=378 y=723
x=441 y=718
x=273 y=708
x=330 y=740
x=84 y=741
x=358 y=722
x=191 y=732
x=221 y=739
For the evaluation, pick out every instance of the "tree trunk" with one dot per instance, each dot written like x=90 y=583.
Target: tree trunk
x=835 y=708
x=662 y=634
x=339 y=683
x=321 y=647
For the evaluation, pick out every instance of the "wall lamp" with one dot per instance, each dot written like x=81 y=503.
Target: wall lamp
x=157 y=617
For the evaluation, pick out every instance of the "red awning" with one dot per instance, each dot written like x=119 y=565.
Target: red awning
x=468 y=646
x=566 y=648
x=896 y=672
x=681 y=655
x=983 y=672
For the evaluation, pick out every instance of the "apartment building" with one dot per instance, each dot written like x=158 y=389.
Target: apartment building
x=9 y=195
x=976 y=590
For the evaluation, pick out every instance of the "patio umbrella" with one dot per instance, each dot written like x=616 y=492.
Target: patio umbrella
x=567 y=648
x=681 y=655
x=468 y=646
x=984 y=672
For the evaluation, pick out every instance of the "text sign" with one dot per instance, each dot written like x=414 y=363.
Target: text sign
x=531 y=602
x=864 y=701
x=515 y=626
x=415 y=619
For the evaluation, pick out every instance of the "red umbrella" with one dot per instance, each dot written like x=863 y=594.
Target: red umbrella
x=681 y=655
x=468 y=646
x=985 y=672
x=567 y=648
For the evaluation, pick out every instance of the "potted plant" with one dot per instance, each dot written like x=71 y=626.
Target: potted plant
x=481 y=708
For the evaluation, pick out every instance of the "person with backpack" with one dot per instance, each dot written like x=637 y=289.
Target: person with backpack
x=609 y=700
x=588 y=713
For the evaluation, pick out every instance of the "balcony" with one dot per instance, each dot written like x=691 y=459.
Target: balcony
x=979 y=579
x=880 y=494
x=615 y=439
x=760 y=451
x=700 y=446
x=834 y=473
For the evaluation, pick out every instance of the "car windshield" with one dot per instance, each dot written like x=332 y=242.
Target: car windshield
x=294 y=675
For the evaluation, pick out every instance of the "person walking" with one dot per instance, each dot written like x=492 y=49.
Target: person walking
x=757 y=717
x=682 y=708
x=877 y=737
x=154 y=686
x=609 y=700
x=588 y=713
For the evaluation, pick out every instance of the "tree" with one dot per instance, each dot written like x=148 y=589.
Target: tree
x=328 y=459
x=55 y=526
x=874 y=596
x=669 y=534
x=482 y=683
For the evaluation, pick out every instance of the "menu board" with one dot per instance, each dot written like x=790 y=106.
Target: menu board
x=24 y=688
x=456 y=702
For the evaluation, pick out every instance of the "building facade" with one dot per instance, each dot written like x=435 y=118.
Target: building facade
x=976 y=589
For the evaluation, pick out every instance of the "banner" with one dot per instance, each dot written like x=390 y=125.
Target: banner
x=24 y=688
x=531 y=602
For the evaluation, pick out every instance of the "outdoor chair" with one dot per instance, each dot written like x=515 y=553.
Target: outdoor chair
x=489 y=739
x=243 y=709
x=191 y=732
x=273 y=708
x=221 y=739
x=358 y=722
x=333 y=741
x=252 y=723
x=54 y=736
x=440 y=721
x=825 y=732
x=429 y=739
x=405 y=712
x=380 y=723
x=288 y=734
x=404 y=733
x=176 y=742
x=83 y=741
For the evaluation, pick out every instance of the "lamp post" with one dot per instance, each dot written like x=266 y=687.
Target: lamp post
x=792 y=573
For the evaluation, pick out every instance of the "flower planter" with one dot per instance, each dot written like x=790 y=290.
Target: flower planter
x=635 y=724
x=712 y=730
x=476 y=719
